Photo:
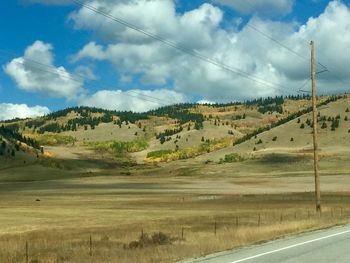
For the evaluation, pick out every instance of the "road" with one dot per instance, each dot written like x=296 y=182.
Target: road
x=324 y=246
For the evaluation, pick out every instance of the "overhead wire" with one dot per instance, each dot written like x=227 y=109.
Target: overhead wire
x=182 y=49
x=36 y=64
x=66 y=75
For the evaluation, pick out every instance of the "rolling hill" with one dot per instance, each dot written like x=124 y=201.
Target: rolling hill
x=186 y=131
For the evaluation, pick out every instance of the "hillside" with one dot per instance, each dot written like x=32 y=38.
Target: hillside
x=295 y=136
x=178 y=132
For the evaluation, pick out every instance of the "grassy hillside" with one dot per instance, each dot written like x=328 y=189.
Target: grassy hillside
x=179 y=131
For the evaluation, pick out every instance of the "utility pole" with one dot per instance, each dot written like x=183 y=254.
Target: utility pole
x=314 y=113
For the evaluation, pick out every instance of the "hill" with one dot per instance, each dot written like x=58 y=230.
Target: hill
x=174 y=132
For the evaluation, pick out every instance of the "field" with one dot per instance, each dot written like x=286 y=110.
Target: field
x=93 y=196
x=198 y=211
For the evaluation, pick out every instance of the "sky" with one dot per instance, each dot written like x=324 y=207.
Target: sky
x=56 y=53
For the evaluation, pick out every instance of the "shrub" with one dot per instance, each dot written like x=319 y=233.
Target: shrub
x=157 y=239
x=302 y=126
x=119 y=148
x=234 y=157
x=159 y=154
x=274 y=139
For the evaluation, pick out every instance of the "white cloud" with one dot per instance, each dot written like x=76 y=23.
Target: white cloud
x=132 y=100
x=262 y=7
x=203 y=102
x=200 y=30
x=10 y=111
x=91 y=50
x=35 y=72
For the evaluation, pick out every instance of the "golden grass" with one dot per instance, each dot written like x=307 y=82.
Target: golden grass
x=62 y=235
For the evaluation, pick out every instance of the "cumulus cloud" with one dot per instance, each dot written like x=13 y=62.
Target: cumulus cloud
x=132 y=100
x=261 y=7
x=10 y=111
x=275 y=70
x=36 y=72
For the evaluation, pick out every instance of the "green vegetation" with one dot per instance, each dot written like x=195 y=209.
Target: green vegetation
x=234 y=158
x=120 y=148
x=15 y=136
x=159 y=154
x=186 y=153
x=55 y=139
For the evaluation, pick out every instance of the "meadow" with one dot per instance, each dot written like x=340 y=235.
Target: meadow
x=160 y=213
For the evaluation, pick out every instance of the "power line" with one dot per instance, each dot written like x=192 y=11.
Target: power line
x=282 y=45
x=190 y=52
x=33 y=62
x=64 y=74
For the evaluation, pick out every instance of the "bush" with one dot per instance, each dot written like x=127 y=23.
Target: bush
x=233 y=158
x=159 y=154
x=54 y=139
x=157 y=239
x=302 y=126
x=119 y=148
x=274 y=139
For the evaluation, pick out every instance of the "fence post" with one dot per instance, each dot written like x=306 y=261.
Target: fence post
x=27 y=253
x=90 y=243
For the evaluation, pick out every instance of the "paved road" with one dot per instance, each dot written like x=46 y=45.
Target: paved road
x=326 y=246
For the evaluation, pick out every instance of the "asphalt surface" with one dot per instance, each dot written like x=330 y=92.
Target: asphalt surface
x=324 y=246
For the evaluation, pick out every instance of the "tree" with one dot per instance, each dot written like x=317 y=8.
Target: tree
x=292 y=139
x=347 y=110
x=274 y=139
x=324 y=126
x=302 y=126
x=13 y=153
x=162 y=139
x=17 y=146
x=202 y=139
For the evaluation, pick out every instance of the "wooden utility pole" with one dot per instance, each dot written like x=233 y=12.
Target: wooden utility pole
x=314 y=113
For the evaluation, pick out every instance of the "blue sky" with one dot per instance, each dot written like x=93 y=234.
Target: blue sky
x=113 y=56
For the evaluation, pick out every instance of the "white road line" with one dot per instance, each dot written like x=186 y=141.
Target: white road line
x=292 y=246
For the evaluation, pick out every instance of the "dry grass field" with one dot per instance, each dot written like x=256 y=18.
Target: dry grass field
x=79 y=203
x=199 y=209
